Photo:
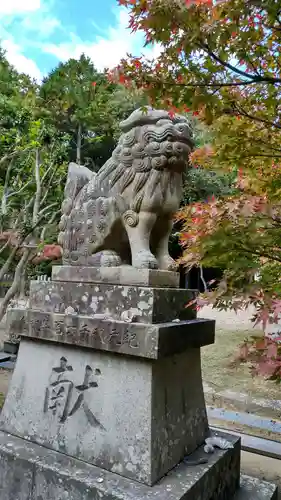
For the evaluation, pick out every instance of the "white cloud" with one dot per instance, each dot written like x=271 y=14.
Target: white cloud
x=23 y=22
x=35 y=25
x=12 y=7
x=106 y=51
x=22 y=63
x=40 y=23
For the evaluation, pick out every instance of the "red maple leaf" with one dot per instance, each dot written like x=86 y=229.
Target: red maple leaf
x=137 y=63
x=122 y=78
x=261 y=344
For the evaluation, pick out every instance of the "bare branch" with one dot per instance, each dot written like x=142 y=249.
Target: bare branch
x=16 y=283
x=15 y=153
x=4 y=197
x=51 y=221
x=6 y=266
x=5 y=245
x=20 y=190
x=47 y=187
x=44 y=210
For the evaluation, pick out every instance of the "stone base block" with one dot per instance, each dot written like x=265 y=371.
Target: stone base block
x=132 y=416
x=143 y=304
x=123 y=275
x=31 y=472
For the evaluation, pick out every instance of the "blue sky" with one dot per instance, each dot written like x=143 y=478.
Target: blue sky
x=37 y=34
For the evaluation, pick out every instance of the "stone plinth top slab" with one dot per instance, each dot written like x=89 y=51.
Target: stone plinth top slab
x=142 y=304
x=136 y=339
x=123 y=275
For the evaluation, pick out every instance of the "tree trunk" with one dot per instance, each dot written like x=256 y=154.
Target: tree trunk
x=78 y=145
x=36 y=205
x=16 y=283
x=22 y=284
x=5 y=268
x=202 y=279
x=19 y=276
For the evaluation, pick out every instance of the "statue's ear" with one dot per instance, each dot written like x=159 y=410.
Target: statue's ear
x=77 y=177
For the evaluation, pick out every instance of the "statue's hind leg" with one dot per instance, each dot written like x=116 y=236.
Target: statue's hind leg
x=139 y=231
x=160 y=243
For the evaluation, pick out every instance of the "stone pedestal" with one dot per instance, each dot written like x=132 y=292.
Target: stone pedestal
x=106 y=399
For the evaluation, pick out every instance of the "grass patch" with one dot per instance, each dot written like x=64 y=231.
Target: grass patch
x=221 y=373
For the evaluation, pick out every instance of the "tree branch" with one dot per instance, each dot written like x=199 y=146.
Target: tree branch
x=242 y=112
x=47 y=187
x=51 y=221
x=263 y=155
x=255 y=78
x=259 y=254
x=210 y=85
x=14 y=153
x=44 y=210
x=16 y=282
x=20 y=190
x=4 y=197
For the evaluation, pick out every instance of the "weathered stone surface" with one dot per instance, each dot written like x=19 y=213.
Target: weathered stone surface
x=31 y=472
x=50 y=475
x=117 y=412
x=255 y=489
x=122 y=275
x=135 y=339
x=127 y=207
x=145 y=304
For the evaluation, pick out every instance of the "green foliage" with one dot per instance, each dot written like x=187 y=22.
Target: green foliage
x=201 y=184
x=79 y=101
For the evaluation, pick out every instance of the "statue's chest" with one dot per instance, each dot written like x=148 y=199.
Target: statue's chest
x=165 y=194
x=173 y=192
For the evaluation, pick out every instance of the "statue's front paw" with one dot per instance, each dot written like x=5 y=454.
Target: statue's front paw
x=166 y=263
x=144 y=260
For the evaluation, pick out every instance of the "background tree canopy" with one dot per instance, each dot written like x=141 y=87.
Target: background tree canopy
x=73 y=115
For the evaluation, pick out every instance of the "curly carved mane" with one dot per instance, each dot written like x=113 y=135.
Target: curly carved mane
x=146 y=155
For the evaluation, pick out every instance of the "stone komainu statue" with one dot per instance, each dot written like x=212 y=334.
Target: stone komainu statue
x=123 y=214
